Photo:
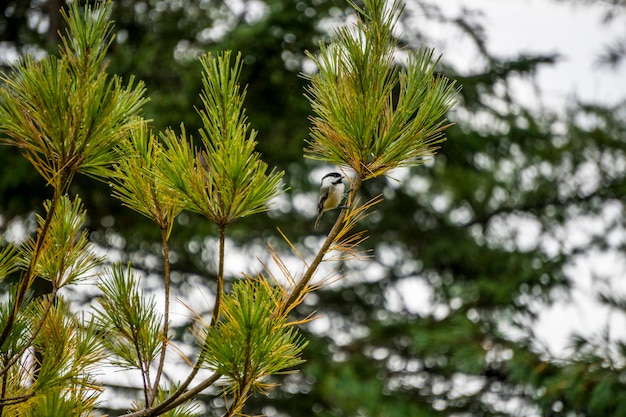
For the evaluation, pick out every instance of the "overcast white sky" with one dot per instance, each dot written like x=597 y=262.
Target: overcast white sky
x=577 y=33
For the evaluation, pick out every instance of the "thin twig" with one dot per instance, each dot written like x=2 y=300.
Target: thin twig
x=145 y=370
x=26 y=280
x=238 y=403
x=15 y=400
x=175 y=399
x=301 y=286
x=27 y=276
x=166 y=315
x=3 y=390
x=172 y=399
x=239 y=398
x=220 y=276
x=33 y=336
x=180 y=395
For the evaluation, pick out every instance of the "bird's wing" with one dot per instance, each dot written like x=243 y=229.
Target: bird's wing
x=320 y=203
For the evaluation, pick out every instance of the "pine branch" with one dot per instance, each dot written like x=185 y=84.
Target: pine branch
x=166 y=315
x=300 y=287
x=27 y=277
x=220 y=277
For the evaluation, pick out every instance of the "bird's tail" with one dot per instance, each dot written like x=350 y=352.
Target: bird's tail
x=317 y=221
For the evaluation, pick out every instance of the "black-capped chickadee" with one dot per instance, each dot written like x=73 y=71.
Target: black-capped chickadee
x=331 y=194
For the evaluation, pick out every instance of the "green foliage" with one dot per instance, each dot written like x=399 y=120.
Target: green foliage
x=68 y=353
x=82 y=121
x=67 y=114
x=71 y=348
x=228 y=179
x=135 y=181
x=18 y=339
x=131 y=321
x=185 y=410
x=55 y=402
x=8 y=262
x=65 y=256
x=361 y=122
x=448 y=228
x=253 y=340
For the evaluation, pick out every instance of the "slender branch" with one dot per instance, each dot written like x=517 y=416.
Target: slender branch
x=15 y=400
x=3 y=390
x=25 y=282
x=300 y=287
x=145 y=374
x=185 y=384
x=143 y=367
x=181 y=389
x=220 y=276
x=33 y=336
x=240 y=401
x=27 y=277
x=166 y=315
x=175 y=399
x=180 y=395
x=239 y=398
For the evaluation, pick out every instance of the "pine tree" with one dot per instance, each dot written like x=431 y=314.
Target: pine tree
x=67 y=116
x=445 y=231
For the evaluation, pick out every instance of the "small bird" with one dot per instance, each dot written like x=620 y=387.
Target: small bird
x=331 y=194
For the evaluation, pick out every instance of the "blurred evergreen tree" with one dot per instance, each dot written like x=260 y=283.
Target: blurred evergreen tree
x=454 y=234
